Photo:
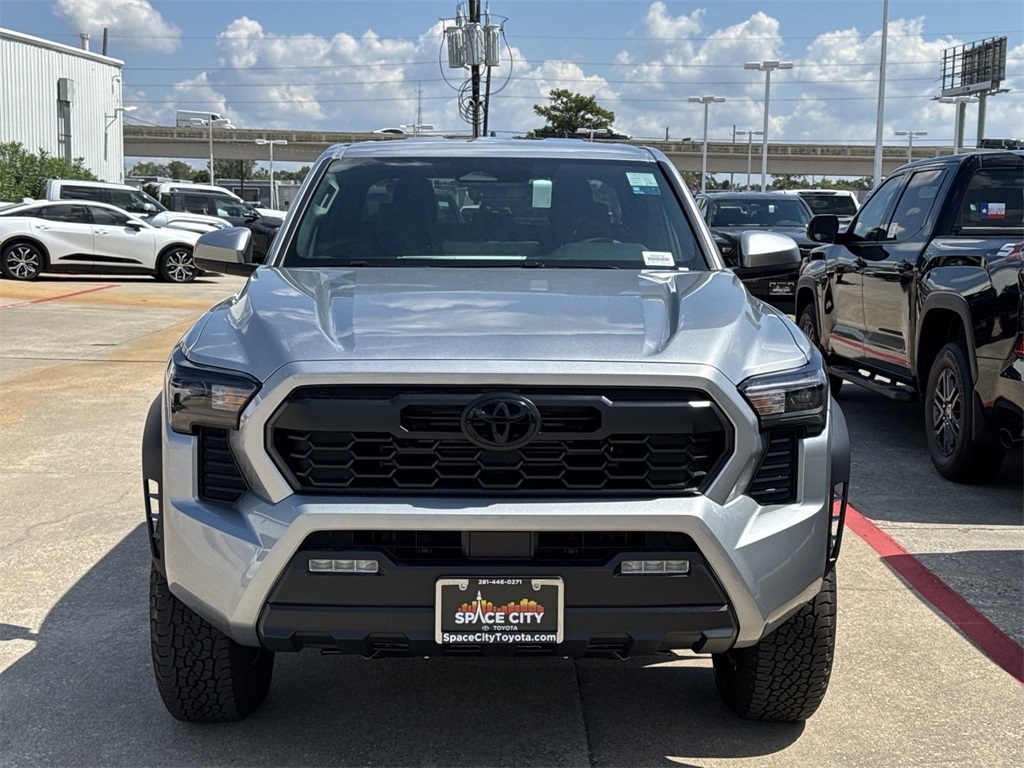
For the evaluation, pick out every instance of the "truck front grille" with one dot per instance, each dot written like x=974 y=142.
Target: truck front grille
x=333 y=440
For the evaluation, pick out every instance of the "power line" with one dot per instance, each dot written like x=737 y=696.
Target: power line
x=530 y=78
x=377 y=65
x=273 y=38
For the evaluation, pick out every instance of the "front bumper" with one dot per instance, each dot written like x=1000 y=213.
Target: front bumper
x=764 y=562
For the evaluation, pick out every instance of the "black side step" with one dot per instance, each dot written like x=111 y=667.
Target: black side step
x=891 y=389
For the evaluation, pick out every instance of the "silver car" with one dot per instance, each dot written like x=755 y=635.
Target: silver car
x=493 y=398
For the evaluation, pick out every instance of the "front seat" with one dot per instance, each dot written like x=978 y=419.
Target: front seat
x=405 y=226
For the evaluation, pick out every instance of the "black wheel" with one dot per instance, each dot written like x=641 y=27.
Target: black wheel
x=22 y=261
x=808 y=323
x=203 y=675
x=949 y=421
x=176 y=265
x=785 y=676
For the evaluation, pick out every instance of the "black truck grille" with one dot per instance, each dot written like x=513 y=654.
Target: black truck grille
x=220 y=480
x=546 y=547
x=775 y=481
x=334 y=440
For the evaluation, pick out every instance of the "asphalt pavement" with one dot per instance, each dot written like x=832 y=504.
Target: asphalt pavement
x=77 y=373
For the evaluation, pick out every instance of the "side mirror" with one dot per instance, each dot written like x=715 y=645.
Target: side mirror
x=823 y=228
x=226 y=252
x=134 y=224
x=149 y=208
x=767 y=249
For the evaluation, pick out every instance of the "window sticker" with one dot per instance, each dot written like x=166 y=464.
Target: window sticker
x=643 y=183
x=658 y=259
x=993 y=210
x=541 y=193
x=894 y=230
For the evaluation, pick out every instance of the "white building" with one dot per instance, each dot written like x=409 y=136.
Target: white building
x=64 y=100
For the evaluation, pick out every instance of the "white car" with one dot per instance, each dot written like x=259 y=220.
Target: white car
x=211 y=189
x=77 y=236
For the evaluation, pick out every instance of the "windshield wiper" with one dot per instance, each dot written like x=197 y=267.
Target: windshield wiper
x=567 y=265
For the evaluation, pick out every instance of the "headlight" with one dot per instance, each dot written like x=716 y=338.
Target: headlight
x=797 y=398
x=208 y=396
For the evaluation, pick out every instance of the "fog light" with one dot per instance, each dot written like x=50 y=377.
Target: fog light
x=645 y=567
x=344 y=566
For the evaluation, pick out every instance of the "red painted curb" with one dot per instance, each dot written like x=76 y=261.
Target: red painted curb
x=60 y=296
x=991 y=640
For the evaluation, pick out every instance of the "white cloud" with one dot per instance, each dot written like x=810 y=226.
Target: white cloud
x=133 y=24
x=366 y=81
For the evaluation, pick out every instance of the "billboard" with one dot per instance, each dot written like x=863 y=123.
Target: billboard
x=974 y=68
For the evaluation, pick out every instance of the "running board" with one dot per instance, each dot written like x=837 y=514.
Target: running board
x=889 y=389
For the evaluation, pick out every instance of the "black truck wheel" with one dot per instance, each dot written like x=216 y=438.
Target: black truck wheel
x=949 y=421
x=785 y=676
x=202 y=674
x=808 y=323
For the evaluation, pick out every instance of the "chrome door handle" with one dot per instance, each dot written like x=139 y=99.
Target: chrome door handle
x=102 y=231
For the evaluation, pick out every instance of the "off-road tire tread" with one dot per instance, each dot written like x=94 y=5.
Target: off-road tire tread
x=785 y=675
x=203 y=675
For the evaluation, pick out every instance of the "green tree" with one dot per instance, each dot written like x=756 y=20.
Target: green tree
x=568 y=112
x=24 y=173
x=234 y=169
x=148 y=169
x=179 y=169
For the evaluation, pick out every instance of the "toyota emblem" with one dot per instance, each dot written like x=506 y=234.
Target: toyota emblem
x=500 y=422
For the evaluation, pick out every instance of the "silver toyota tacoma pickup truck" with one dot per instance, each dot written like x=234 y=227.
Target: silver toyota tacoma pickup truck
x=493 y=398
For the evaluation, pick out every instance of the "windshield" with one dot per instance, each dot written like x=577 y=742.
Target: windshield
x=758 y=212
x=840 y=205
x=501 y=212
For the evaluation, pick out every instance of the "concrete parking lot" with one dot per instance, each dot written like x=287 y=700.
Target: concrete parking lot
x=80 y=361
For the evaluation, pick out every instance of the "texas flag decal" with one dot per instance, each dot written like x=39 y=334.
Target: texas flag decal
x=993 y=210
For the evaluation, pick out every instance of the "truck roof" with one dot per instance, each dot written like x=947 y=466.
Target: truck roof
x=431 y=146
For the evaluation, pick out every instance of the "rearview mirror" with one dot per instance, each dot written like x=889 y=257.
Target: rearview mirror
x=225 y=251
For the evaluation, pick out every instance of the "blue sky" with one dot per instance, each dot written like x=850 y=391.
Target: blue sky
x=348 y=65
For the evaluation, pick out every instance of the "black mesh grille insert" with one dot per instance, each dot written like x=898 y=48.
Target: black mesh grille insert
x=220 y=480
x=331 y=440
x=775 y=481
x=578 y=547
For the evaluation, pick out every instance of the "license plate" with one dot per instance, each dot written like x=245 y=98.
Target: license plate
x=498 y=611
x=781 y=289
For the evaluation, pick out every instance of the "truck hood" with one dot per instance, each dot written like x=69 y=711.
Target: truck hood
x=334 y=315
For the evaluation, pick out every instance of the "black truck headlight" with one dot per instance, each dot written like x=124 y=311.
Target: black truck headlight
x=797 y=398
x=208 y=396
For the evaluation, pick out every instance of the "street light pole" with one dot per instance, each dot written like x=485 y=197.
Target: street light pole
x=767 y=67
x=706 y=101
x=910 y=141
x=271 y=143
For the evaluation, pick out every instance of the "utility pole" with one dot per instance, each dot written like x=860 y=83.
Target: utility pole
x=707 y=101
x=910 y=141
x=731 y=174
x=767 y=66
x=474 y=18
x=880 y=111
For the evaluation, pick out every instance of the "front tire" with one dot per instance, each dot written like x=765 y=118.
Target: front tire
x=949 y=421
x=176 y=265
x=202 y=674
x=22 y=261
x=808 y=323
x=786 y=674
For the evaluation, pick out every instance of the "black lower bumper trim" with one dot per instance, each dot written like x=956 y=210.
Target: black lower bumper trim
x=395 y=631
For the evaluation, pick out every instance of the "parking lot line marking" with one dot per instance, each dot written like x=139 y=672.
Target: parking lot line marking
x=59 y=296
x=991 y=640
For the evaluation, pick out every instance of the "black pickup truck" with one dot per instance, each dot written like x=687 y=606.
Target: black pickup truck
x=236 y=212
x=922 y=298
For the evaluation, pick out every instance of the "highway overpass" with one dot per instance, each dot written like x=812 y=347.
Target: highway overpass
x=723 y=157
